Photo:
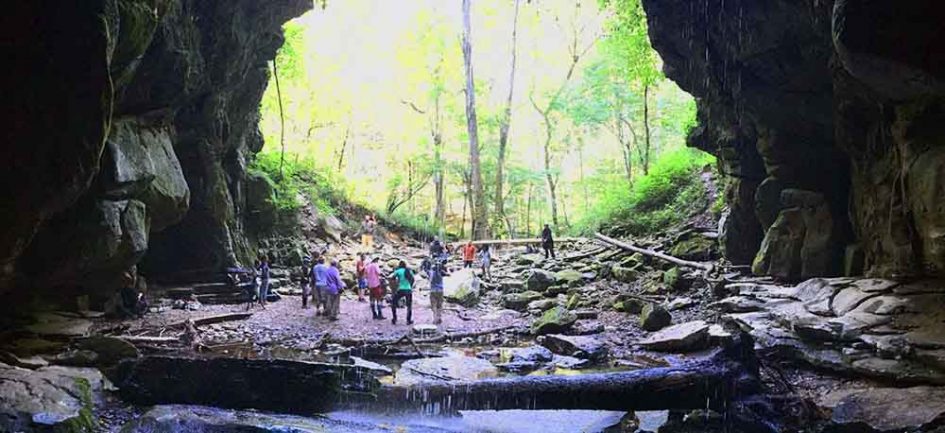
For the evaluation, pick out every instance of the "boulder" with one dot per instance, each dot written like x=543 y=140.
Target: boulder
x=569 y=277
x=59 y=325
x=454 y=367
x=529 y=259
x=108 y=350
x=672 y=278
x=519 y=301
x=654 y=317
x=680 y=303
x=555 y=320
x=511 y=286
x=684 y=337
x=584 y=347
x=887 y=409
x=48 y=399
x=542 y=305
x=464 y=296
x=623 y=274
x=539 y=280
x=696 y=247
x=530 y=354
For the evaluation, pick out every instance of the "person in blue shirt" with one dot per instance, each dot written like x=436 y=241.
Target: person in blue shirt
x=320 y=278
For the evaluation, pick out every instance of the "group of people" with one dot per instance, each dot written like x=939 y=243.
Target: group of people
x=324 y=284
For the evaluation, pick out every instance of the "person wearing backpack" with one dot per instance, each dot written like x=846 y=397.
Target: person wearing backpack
x=405 y=282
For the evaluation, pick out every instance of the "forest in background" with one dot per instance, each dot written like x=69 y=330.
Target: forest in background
x=571 y=122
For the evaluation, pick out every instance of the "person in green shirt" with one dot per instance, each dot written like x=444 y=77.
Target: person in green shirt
x=404 y=290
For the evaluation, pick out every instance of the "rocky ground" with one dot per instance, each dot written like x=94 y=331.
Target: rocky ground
x=845 y=348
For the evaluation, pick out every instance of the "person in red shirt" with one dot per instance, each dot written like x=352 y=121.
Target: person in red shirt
x=469 y=254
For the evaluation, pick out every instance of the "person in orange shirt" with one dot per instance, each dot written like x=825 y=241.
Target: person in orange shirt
x=469 y=254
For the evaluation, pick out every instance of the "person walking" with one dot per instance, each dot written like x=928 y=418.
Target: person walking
x=333 y=291
x=306 y=282
x=469 y=254
x=263 y=280
x=320 y=277
x=359 y=271
x=372 y=276
x=436 y=292
x=404 y=291
x=547 y=242
x=485 y=260
x=367 y=232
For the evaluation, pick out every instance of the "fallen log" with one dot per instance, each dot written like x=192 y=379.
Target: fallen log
x=149 y=340
x=395 y=340
x=209 y=320
x=710 y=382
x=295 y=387
x=586 y=254
x=686 y=263
x=521 y=241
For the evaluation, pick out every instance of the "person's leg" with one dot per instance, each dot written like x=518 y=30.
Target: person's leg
x=409 y=296
x=436 y=303
x=393 y=307
x=552 y=248
x=335 y=306
x=305 y=290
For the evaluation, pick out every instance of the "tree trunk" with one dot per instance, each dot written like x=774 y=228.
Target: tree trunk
x=711 y=382
x=528 y=210
x=549 y=177
x=275 y=75
x=439 y=208
x=646 y=129
x=581 y=165
x=504 y=124
x=344 y=146
x=480 y=225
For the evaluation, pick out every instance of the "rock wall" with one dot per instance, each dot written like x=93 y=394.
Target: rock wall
x=131 y=122
x=829 y=115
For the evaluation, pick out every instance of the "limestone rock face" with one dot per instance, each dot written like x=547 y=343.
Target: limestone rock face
x=840 y=98
x=149 y=116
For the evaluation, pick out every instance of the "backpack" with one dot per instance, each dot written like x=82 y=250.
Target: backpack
x=408 y=274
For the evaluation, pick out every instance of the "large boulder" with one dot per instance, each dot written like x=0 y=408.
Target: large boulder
x=464 y=295
x=802 y=241
x=624 y=274
x=539 y=280
x=48 y=399
x=553 y=321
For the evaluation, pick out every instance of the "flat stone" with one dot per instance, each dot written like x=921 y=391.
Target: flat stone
x=55 y=325
x=738 y=304
x=425 y=329
x=680 y=303
x=48 y=398
x=849 y=298
x=684 y=337
x=874 y=285
x=533 y=353
x=888 y=409
x=448 y=368
x=650 y=421
x=31 y=362
x=569 y=362
x=371 y=366
x=576 y=346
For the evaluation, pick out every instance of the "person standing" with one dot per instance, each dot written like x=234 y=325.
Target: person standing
x=436 y=292
x=469 y=254
x=333 y=291
x=263 y=280
x=320 y=277
x=547 y=242
x=485 y=259
x=306 y=281
x=359 y=271
x=367 y=238
x=404 y=291
x=372 y=276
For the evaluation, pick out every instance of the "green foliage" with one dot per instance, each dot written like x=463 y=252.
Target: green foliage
x=299 y=177
x=670 y=193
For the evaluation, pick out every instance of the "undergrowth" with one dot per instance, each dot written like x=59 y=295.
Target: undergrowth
x=672 y=192
x=299 y=176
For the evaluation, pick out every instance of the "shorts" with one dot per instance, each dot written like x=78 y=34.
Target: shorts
x=362 y=283
x=436 y=300
x=377 y=292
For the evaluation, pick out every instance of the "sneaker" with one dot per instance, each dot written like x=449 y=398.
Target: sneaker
x=393 y=321
x=410 y=322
